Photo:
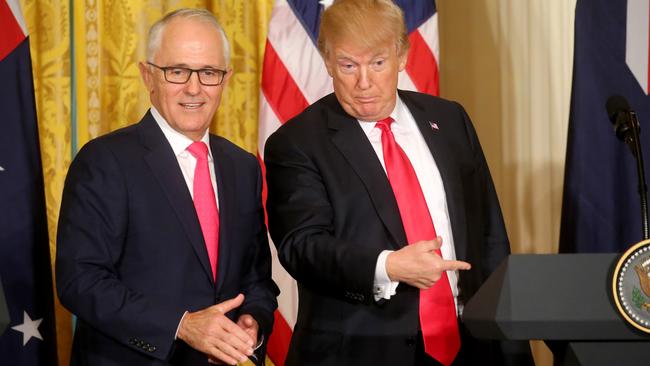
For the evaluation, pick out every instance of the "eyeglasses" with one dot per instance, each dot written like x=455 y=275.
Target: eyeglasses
x=181 y=75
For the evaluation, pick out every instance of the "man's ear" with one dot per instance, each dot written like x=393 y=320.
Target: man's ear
x=145 y=72
x=227 y=77
x=402 y=60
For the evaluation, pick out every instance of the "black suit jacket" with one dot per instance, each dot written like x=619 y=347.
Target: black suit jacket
x=332 y=211
x=131 y=258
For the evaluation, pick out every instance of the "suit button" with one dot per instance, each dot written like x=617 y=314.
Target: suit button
x=410 y=341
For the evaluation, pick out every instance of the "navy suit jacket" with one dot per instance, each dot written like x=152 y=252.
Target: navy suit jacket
x=131 y=258
x=332 y=211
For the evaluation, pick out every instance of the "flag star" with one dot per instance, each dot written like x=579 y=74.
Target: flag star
x=29 y=328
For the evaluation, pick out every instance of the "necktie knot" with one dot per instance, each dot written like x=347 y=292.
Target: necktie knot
x=384 y=124
x=199 y=150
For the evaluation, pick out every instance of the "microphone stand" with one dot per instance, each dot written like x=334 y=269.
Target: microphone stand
x=635 y=145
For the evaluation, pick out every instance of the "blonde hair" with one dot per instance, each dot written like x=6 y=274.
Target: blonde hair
x=203 y=15
x=368 y=22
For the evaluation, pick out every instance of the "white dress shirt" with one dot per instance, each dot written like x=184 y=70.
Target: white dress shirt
x=410 y=139
x=186 y=161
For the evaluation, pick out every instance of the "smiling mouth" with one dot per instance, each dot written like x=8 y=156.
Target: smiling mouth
x=191 y=105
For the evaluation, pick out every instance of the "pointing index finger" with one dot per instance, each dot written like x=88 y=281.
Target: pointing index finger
x=449 y=265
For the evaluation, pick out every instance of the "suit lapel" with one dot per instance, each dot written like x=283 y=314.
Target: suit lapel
x=437 y=141
x=164 y=166
x=352 y=142
x=224 y=169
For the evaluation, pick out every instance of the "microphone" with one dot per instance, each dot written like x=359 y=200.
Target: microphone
x=619 y=112
x=627 y=128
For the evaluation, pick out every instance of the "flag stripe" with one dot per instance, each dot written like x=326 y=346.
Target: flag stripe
x=299 y=54
x=429 y=32
x=637 y=41
x=421 y=65
x=271 y=123
x=14 y=5
x=277 y=346
x=13 y=33
x=404 y=82
x=281 y=92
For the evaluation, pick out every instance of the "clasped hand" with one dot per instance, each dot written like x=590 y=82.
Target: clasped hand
x=210 y=331
x=419 y=265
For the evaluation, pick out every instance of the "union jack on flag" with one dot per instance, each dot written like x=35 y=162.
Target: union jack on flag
x=294 y=76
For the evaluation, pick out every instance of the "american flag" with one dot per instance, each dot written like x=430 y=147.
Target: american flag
x=294 y=76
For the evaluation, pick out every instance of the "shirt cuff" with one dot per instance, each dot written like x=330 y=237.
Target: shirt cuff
x=383 y=287
x=179 y=325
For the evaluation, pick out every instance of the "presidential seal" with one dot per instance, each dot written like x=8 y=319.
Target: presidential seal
x=631 y=285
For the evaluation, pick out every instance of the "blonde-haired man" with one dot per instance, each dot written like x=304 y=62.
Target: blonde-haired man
x=374 y=196
x=162 y=250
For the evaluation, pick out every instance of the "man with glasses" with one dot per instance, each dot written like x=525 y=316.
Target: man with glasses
x=162 y=250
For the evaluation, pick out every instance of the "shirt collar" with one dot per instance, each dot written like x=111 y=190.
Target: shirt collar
x=177 y=140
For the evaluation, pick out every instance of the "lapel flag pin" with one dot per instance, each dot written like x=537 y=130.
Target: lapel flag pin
x=434 y=126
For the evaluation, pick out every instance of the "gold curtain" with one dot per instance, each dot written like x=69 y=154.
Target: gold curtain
x=85 y=56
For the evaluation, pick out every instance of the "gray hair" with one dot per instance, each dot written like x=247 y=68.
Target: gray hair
x=203 y=15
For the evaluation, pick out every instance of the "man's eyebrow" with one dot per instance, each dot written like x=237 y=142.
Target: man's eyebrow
x=200 y=68
x=343 y=58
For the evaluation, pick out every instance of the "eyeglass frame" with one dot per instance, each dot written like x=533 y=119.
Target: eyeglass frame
x=165 y=68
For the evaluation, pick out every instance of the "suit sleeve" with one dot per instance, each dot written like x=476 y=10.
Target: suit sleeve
x=91 y=236
x=301 y=217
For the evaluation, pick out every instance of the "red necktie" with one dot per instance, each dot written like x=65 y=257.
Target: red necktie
x=438 y=318
x=205 y=202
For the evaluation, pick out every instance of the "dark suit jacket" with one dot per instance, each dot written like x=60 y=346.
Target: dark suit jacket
x=130 y=252
x=332 y=211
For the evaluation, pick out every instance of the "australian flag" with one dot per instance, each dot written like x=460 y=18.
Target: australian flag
x=601 y=210
x=25 y=274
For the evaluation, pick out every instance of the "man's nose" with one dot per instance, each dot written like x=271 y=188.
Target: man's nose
x=364 y=81
x=193 y=85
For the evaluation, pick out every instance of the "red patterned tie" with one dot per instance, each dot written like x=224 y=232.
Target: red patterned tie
x=437 y=309
x=205 y=202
